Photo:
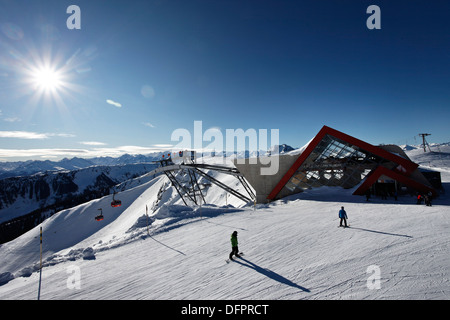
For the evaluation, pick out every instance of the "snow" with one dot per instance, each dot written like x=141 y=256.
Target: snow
x=293 y=248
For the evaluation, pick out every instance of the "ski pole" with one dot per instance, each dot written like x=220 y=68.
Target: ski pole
x=40 y=266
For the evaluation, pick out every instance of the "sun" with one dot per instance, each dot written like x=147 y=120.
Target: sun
x=51 y=79
x=47 y=79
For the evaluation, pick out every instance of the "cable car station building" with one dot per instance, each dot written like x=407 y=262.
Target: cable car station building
x=333 y=158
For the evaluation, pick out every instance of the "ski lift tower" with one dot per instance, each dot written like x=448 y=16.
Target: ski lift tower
x=425 y=143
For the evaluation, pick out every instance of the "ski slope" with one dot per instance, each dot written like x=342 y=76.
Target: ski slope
x=293 y=248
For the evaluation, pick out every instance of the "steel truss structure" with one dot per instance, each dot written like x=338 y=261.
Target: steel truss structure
x=184 y=178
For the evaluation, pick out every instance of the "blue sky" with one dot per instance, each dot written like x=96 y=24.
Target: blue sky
x=138 y=70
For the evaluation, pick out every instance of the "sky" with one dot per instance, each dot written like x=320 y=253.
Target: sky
x=136 y=71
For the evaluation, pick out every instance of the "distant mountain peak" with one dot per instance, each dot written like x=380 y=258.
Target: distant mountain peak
x=281 y=148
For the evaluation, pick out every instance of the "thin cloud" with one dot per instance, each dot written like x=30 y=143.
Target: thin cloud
x=23 y=135
x=148 y=124
x=28 y=135
x=118 y=151
x=93 y=143
x=114 y=103
x=87 y=153
x=164 y=146
x=63 y=135
x=42 y=153
x=12 y=119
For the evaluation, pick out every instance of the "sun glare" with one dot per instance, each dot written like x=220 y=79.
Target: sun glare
x=47 y=79
x=50 y=79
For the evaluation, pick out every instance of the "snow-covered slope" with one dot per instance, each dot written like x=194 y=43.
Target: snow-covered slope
x=293 y=249
x=76 y=227
x=436 y=155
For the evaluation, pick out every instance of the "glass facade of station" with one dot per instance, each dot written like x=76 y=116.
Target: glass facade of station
x=335 y=162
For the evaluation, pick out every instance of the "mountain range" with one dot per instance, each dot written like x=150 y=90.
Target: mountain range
x=25 y=168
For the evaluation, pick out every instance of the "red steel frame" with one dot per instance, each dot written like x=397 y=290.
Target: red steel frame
x=408 y=166
x=373 y=177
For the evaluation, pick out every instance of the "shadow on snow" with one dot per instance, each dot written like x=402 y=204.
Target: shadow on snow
x=381 y=232
x=270 y=274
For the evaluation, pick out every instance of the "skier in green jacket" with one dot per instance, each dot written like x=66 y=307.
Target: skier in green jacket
x=234 y=246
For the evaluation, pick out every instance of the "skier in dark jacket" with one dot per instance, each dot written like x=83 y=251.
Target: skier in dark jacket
x=343 y=217
x=234 y=246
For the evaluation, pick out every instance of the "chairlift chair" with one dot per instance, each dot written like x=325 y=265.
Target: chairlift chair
x=100 y=216
x=115 y=203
